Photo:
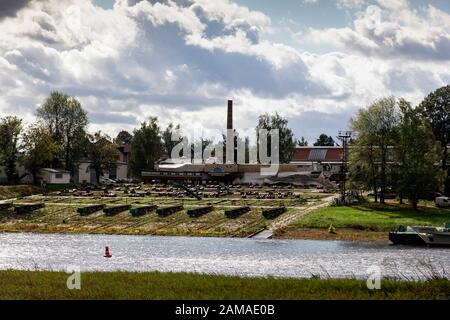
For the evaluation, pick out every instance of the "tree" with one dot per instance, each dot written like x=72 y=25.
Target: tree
x=168 y=144
x=363 y=173
x=324 y=140
x=436 y=109
x=10 y=128
x=302 y=142
x=39 y=149
x=146 y=147
x=286 y=137
x=102 y=153
x=66 y=121
x=376 y=129
x=418 y=154
x=123 y=137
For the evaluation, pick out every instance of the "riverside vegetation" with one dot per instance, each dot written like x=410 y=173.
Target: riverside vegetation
x=155 y=285
x=367 y=221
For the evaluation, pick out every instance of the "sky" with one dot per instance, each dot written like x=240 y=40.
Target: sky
x=315 y=62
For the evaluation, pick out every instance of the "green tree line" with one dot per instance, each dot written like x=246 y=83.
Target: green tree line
x=395 y=147
x=400 y=149
x=59 y=139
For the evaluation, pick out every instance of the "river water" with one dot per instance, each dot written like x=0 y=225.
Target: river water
x=230 y=256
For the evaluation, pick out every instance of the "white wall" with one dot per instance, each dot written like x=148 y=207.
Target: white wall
x=84 y=172
x=122 y=170
x=51 y=177
x=65 y=178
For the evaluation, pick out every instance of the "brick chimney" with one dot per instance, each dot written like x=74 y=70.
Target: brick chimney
x=230 y=115
x=230 y=136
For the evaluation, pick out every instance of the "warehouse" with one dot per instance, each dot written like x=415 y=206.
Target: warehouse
x=306 y=161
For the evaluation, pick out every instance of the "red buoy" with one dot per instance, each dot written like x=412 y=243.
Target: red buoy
x=107 y=254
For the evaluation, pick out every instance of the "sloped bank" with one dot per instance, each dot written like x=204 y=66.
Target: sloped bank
x=188 y=286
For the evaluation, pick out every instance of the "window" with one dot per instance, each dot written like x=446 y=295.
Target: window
x=58 y=175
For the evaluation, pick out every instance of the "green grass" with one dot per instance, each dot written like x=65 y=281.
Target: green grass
x=8 y=192
x=154 y=285
x=374 y=216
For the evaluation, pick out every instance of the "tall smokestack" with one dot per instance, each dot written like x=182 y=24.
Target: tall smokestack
x=230 y=136
x=230 y=115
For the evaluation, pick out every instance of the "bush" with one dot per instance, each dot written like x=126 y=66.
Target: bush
x=236 y=212
x=351 y=198
x=272 y=213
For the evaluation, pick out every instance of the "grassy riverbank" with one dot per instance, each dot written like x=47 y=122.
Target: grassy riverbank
x=154 y=285
x=369 y=221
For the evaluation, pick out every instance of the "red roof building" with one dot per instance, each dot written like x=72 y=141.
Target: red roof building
x=317 y=154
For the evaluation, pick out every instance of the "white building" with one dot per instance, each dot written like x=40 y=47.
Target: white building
x=53 y=176
x=86 y=174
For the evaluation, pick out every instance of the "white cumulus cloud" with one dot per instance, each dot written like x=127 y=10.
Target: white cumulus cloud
x=181 y=60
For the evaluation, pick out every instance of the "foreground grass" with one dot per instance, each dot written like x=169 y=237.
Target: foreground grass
x=154 y=285
x=374 y=217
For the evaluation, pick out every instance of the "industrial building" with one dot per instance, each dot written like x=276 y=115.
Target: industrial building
x=326 y=159
x=306 y=167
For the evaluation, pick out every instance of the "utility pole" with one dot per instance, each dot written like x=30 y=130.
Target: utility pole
x=344 y=136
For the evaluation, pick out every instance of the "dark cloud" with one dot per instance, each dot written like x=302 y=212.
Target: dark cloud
x=217 y=28
x=36 y=62
x=408 y=79
x=159 y=72
x=439 y=50
x=9 y=8
x=410 y=48
x=311 y=124
x=232 y=70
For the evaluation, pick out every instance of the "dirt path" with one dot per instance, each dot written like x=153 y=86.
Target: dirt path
x=284 y=221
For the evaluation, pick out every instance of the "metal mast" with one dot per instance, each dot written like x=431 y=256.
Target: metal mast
x=344 y=136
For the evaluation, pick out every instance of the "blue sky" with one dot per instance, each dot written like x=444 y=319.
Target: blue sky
x=316 y=62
